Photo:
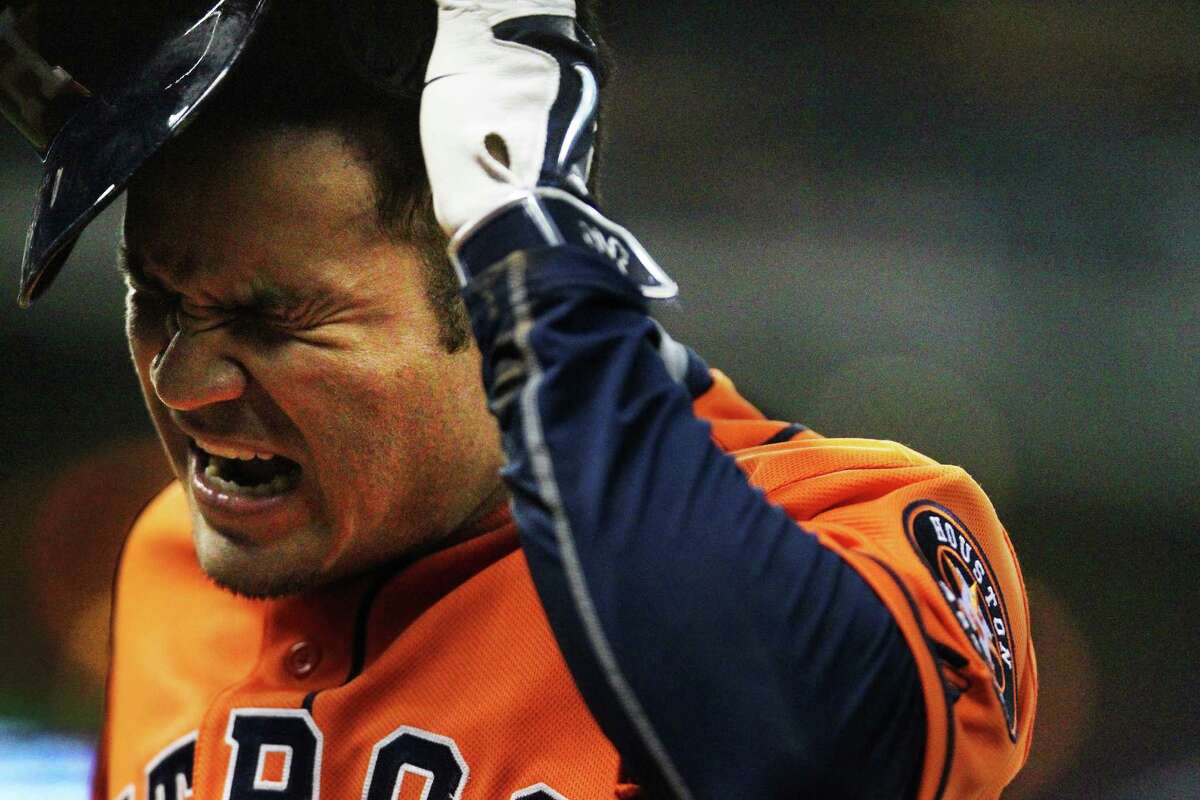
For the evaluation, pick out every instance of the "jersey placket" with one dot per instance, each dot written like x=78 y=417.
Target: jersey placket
x=306 y=647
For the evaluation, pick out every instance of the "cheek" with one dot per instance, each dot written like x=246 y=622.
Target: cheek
x=377 y=433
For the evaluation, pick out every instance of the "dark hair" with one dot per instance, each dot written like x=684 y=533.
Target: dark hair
x=353 y=66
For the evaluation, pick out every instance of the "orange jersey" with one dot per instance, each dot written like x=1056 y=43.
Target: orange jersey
x=956 y=591
x=454 y=647
x=450 y=661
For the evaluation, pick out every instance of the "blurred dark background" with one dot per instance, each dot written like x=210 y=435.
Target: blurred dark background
x=969 y=227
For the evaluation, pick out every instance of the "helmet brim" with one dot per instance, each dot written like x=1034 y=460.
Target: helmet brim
x=100 y=147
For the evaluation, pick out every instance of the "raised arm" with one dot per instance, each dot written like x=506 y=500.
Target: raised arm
x=726 y=650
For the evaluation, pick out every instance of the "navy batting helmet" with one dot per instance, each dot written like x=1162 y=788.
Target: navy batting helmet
x=100 y=86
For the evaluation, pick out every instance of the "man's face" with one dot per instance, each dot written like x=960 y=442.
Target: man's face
x=269 y=316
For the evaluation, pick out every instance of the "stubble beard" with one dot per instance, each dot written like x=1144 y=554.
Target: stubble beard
x=273 y=588
x=241 y=571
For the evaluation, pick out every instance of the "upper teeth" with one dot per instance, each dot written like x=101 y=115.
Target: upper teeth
x=232 y=452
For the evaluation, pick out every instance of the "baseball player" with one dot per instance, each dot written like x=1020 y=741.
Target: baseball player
x=662 y=594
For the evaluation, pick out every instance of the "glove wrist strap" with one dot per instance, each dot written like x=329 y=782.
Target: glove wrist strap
x=551 y=217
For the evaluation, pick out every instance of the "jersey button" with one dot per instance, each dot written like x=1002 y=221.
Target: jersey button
x=302 y=659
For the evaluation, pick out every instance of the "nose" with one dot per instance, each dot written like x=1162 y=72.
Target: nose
x=193 y=371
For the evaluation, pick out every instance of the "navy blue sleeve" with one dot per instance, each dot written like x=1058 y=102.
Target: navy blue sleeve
x=722 y=649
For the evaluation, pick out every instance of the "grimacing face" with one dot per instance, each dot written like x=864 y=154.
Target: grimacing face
x=290 y=361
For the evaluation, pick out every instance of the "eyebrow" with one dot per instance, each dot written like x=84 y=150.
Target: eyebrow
x=263 y=298
x=270 y=299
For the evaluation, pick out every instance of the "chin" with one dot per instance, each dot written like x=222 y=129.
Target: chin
x=252 y=570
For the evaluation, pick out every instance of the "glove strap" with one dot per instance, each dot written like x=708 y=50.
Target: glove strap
x=550 y=217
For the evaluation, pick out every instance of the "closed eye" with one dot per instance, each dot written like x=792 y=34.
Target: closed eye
x=296 y=315
x=196 y=317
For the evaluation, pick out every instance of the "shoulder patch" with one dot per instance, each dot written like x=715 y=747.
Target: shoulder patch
x=968 y=585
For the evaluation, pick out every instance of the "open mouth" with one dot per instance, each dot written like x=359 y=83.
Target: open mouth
x=260 y=475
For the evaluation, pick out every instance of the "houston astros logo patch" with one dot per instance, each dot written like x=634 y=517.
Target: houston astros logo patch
x=969 y=587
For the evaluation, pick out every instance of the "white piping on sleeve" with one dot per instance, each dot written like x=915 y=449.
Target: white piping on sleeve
x=543 y=470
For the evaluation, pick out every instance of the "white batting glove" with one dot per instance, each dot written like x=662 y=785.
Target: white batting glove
x=508 y=124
